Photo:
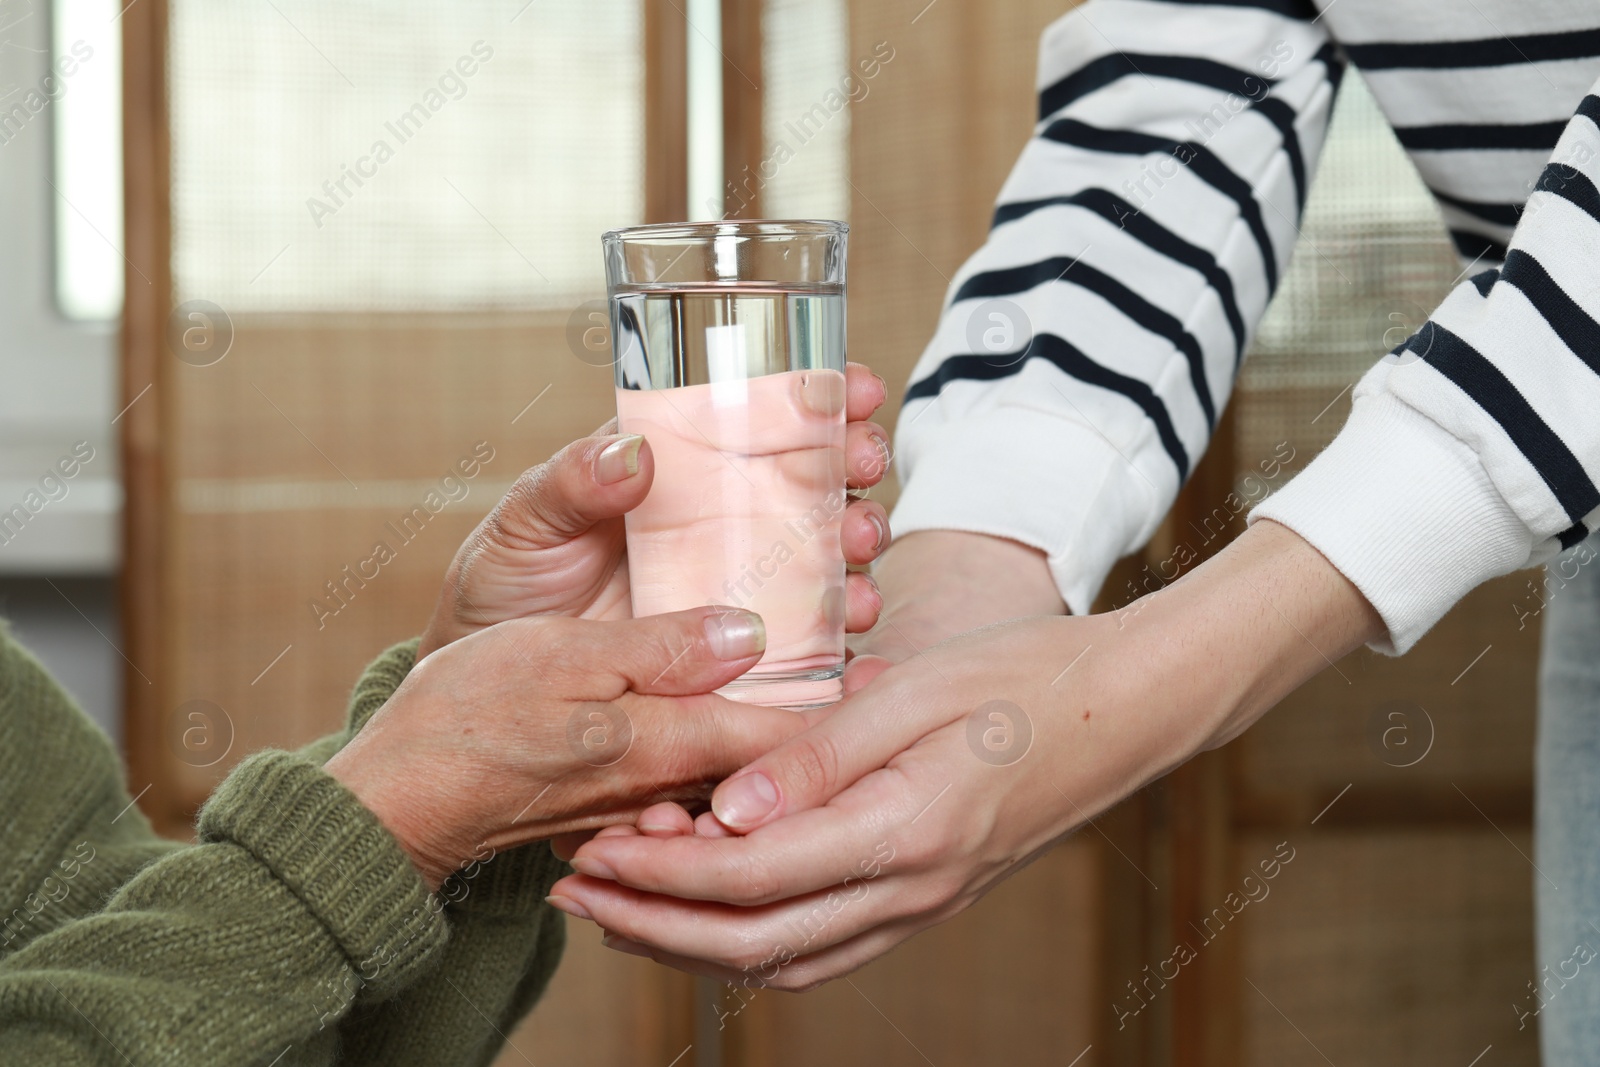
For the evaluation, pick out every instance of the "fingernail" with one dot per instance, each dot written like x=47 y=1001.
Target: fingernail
x=823 y=391
x=619 y=460
x=882 y=383
x=744 y=800
x=872 y=583
x=570 y=906
x=593 y=868
x=622 y=944
x=736 y=634
x=883 y=532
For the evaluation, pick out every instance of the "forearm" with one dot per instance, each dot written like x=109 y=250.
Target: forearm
x=1087 y=349
x=1251 y=625
x=1129 y=696
x=1471 y=449
x=236 y=949
x=505 y=942
x=74 y=845
x=158 y=984
x=70 y=835
x=115 y=938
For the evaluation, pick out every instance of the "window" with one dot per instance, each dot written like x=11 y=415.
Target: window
x=809 y=82
x=401 y=156
x=87 y=63
x=60 y=284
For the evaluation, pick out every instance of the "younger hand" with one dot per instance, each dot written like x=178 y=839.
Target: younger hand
x=959 y=765
x=883 y=819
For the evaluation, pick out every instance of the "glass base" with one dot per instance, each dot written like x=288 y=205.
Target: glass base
x=791 y=690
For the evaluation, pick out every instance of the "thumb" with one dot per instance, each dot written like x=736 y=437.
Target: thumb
x=679 y=654
x=592 y=479
x=851 y=740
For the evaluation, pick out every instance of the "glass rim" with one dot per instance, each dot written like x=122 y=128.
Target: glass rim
x=689 y=231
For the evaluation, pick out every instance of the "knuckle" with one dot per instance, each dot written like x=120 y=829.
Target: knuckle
x=458 y=580
x=657 y=658
x=811 y=766
x=963 y=836
x=671 y=646
x=508 y=522
x=531 y=484
x=946 y=847
x=696 y=750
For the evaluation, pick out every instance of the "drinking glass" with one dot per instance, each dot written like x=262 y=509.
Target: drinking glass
x=729 y=342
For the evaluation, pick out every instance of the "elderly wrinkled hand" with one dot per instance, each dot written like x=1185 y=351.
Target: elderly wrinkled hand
x=536 y=727
x=555 y=544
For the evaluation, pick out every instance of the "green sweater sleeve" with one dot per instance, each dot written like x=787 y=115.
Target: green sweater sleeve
x=295 y=932
x=504 y=942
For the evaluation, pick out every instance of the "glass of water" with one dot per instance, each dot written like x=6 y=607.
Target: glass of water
x=729 y=342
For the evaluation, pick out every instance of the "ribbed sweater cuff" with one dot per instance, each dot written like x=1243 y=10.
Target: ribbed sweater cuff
x=1033 y=477
x=1405 y=511
x=511 y=885
x=326 y=847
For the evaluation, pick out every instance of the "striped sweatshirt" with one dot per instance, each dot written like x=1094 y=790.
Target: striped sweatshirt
x=1087 y=348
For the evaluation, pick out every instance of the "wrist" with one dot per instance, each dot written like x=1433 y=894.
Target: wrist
x=939 y=583
x=1255 y=622
x=372 y=780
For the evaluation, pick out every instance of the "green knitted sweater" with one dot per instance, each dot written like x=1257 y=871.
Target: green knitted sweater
x=295 y=932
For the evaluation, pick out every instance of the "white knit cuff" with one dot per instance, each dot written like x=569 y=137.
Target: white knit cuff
x=1033 y=477
x=1405 y=511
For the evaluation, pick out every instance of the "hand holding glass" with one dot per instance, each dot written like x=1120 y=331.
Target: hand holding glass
x=730 y=358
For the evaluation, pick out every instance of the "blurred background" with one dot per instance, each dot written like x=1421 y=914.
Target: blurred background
x=272 y=267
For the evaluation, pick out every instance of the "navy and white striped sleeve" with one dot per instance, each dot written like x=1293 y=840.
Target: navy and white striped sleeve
x=1473 y=449
x=1086 y=349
